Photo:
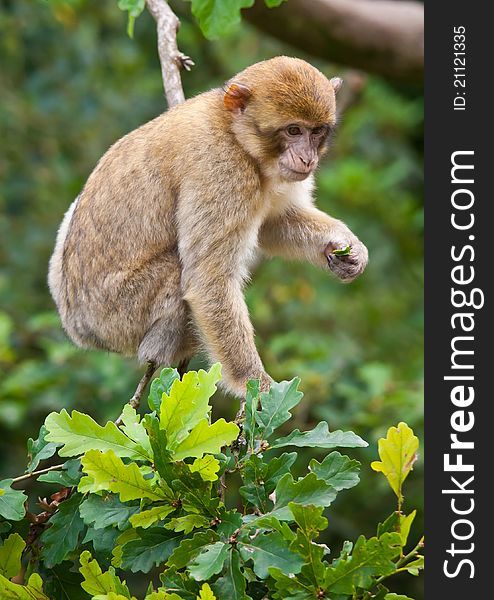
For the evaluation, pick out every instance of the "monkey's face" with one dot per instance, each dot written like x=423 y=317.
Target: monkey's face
x=282 y=112
x=300 y=146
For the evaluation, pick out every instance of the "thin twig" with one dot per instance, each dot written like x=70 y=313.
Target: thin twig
x=401 y=564
x=36 y=473
x=171 y=59
x=222 y=487
x=240 y=416
x=136 y=398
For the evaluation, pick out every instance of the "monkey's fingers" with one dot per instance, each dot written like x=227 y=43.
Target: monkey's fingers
x=337 y=251
x=338 y=248
x=346 y=268
x=185 y=61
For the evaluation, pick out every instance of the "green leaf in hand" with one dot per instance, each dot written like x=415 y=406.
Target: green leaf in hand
x=342 y=251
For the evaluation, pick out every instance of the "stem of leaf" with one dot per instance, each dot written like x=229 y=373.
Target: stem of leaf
x=36 y=473
x=402 y=562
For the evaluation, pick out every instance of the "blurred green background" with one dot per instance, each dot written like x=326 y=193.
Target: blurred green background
x=72 y=83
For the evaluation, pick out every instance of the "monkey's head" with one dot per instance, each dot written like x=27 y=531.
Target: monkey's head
x=283 y=112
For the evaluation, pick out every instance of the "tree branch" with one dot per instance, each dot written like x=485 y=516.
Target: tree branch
x=379 y=36
x=136 y=398
x=36 y=473
x=171 y=59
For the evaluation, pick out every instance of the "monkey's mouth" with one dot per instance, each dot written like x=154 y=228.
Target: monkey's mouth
x=289 y=173
x=294 y=175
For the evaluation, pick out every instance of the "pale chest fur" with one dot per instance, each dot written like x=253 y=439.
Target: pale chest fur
x=278 y=196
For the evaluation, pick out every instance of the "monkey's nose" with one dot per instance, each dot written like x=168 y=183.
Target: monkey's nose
x=308 y=163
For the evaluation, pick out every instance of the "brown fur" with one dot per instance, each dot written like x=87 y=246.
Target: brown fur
x=152 y=256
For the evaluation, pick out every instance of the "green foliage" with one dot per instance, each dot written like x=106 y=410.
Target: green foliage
x=33 y=590
x=320 y=437
x=10 y=555
x=106 y=511
x=80 y=432
x=11 y=502
x=216 y=18
x=61 y=538
x=38 y=450
x=72 y=84
x=130 y=513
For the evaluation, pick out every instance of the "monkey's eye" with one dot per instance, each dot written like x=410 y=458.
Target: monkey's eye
x=294 y=130
x=319 y=130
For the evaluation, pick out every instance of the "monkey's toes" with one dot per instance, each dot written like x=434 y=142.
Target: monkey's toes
x=185 y=62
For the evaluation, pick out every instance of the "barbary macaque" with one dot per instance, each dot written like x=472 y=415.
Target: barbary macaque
x=152 y=257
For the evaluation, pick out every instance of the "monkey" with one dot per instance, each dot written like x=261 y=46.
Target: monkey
x=152 y=257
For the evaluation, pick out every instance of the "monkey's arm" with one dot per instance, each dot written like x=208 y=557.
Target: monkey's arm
x=220 y=313
x=213 y=267
x=306 y=233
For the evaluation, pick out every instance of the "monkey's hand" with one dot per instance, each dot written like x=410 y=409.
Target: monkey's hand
x=346 y=265
x=239 y=387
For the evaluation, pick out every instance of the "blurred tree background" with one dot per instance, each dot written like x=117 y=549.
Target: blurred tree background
x=72 y=83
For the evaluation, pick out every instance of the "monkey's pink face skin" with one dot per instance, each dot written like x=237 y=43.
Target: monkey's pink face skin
x=300 y=145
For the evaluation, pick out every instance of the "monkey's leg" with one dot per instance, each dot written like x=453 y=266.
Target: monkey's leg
x=169 y=341
x=136 y=398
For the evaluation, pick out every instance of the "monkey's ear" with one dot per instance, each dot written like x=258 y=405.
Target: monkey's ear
x=336 y=82
x=236 y=96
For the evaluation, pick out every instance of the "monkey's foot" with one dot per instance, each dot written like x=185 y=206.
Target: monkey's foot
x=185 y=62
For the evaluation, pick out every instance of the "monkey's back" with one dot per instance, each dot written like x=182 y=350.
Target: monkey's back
x=116 y=250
